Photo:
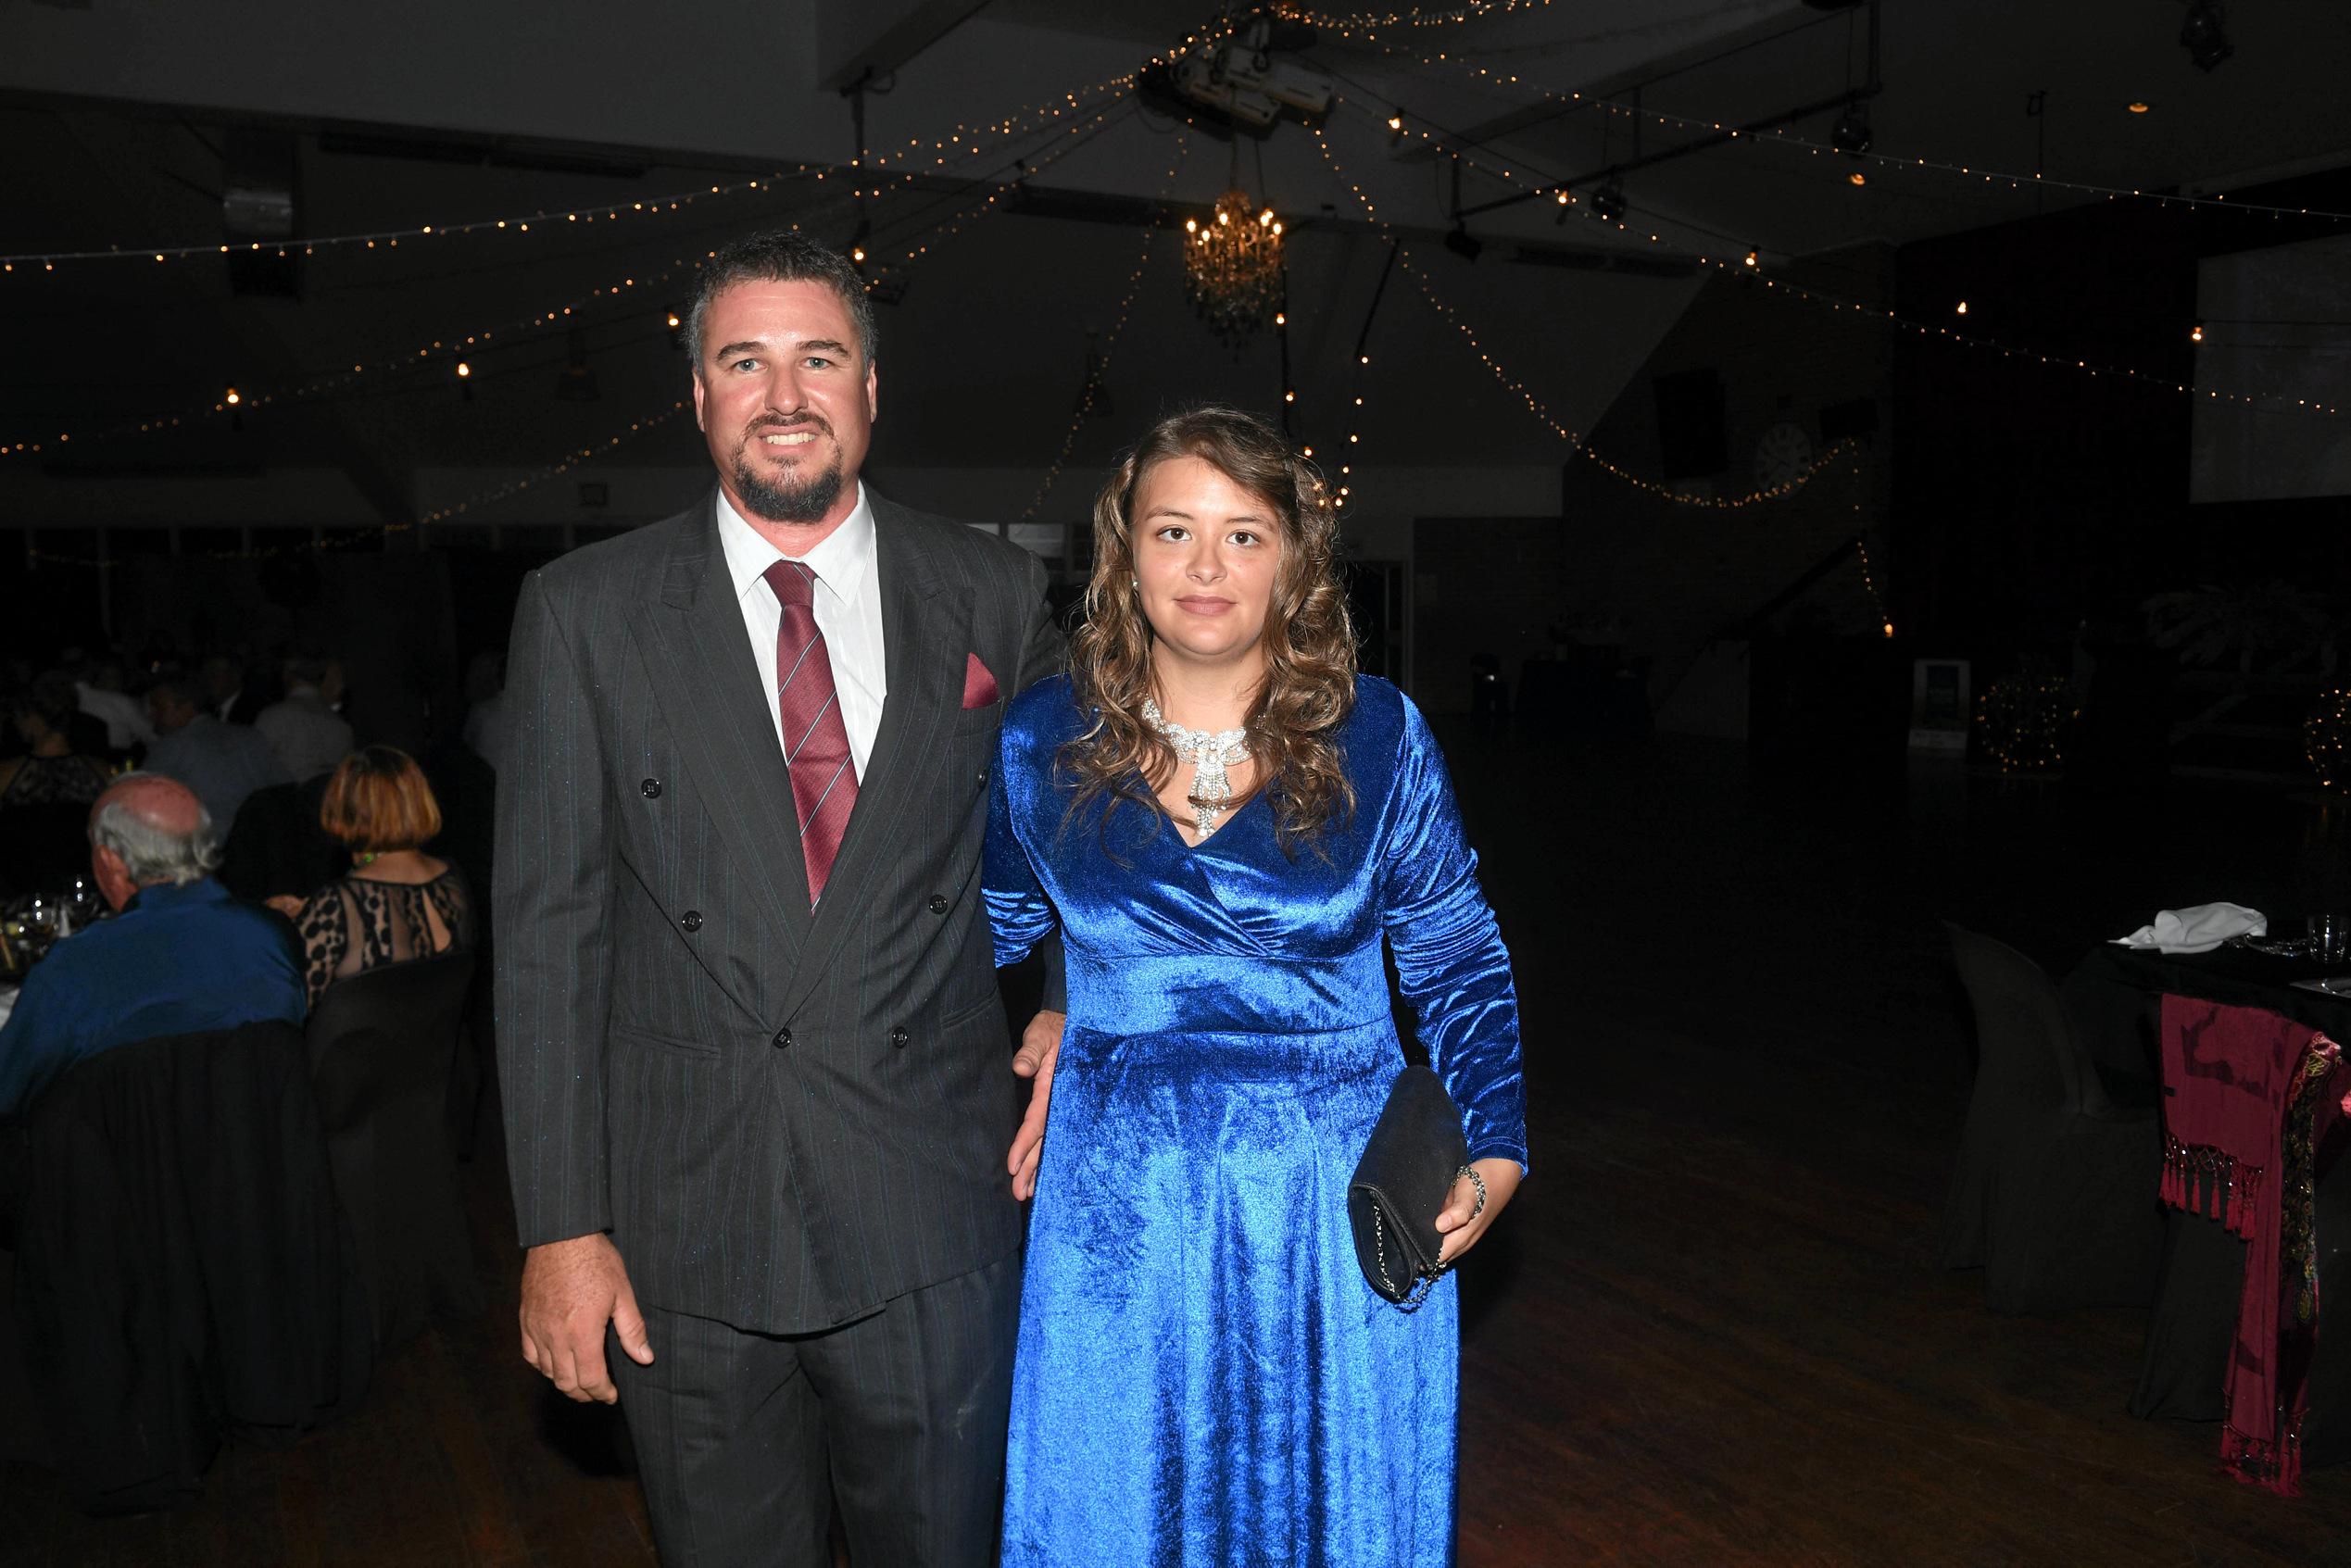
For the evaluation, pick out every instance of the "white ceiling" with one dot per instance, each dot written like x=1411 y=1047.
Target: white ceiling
x=101 y=144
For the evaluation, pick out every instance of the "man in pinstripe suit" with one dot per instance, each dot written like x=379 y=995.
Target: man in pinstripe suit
x=749 y=1041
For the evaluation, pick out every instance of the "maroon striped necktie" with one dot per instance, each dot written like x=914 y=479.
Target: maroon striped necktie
x=816 y=746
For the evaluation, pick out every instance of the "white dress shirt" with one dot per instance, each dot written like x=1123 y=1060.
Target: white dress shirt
x=309 y=737
x=848 y=613
x=126 y=721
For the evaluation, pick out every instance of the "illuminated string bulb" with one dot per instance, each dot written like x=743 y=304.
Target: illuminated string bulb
x=233 y=399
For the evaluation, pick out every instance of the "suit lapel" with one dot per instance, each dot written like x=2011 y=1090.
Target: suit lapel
x=925 y=640
x=699 y=662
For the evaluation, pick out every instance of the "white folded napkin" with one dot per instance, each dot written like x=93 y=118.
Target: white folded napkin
x=2197 y=929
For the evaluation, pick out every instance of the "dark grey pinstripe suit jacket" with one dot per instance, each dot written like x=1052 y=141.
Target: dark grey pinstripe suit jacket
x=782 y=1120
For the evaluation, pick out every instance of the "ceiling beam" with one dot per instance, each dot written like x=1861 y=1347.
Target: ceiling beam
x=875 y=38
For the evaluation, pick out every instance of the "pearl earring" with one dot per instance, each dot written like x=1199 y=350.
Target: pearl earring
x=1137 y=582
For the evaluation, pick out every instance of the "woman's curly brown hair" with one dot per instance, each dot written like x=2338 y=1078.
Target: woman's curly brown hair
x=1310 y=646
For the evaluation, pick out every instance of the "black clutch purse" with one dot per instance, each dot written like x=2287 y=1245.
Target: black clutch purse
x=1400 y=1184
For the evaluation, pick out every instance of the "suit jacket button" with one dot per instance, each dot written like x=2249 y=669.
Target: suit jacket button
x=783 y=1040
x=899 y=1036
x=691 y=920
x=938 y=903
x=650 y=789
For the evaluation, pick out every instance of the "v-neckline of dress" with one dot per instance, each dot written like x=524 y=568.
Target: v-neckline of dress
x=1167 y=820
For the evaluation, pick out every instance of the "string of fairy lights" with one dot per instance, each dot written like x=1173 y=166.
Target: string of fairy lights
x=1782 y=136
x=1098 y=365
x=1861 y=540
x=1535 y=406
x=1021 y=123
x=458 y=351
x=1746 y=263
x=235 y=401
x=1068 y=120
x=1370 y=25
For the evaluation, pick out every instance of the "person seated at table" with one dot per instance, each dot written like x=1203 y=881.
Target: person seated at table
x=182 y=955
x=304 y=727
x=228 y=689
x=397 y=903
x=223 y=763
x=98 y=692
x=51 y=772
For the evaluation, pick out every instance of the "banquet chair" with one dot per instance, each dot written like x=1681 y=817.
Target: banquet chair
x=2054 y=1191
x=276 y=845
x=2191 y=1332
x=381 y=1043
x=181 y=1274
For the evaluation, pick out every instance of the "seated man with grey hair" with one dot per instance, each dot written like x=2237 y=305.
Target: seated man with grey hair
x=181 y=956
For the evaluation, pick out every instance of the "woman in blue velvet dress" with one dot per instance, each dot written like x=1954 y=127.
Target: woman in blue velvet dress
x=1227 y=823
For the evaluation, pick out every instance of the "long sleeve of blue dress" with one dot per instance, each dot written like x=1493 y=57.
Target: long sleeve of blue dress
x=1450 y=957
x=1019 y=915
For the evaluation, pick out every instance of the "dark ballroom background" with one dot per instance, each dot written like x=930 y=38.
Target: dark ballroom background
x=1829 y=471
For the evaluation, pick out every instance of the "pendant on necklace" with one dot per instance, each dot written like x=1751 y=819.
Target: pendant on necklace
x=1210 y=752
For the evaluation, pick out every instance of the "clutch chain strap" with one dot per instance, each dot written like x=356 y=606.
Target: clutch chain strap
x=1419 y=1298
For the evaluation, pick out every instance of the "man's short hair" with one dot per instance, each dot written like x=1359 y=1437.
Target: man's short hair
x=182 y=690
x=783 y=258
x=306 y=664
x=150 y=852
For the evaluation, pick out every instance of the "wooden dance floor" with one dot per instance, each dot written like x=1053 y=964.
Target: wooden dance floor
x=1712 y=1331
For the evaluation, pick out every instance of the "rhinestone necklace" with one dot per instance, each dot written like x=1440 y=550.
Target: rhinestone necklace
x=1209 y=752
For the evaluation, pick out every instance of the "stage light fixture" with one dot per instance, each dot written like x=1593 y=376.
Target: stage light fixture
x=1851 y=134
x=1608 y=202
x=2204 y=38
x=1464 y=244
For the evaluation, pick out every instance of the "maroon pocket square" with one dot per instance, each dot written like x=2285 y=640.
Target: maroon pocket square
x=979 y=686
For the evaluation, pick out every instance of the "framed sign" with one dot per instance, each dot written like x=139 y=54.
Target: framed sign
x=1940 y=705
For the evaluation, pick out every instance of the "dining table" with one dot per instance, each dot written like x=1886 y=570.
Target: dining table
x=2113 y=1000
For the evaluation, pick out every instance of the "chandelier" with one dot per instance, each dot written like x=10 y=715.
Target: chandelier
x=1233 y=266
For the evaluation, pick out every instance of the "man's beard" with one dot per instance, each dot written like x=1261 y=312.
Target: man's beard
x=805 y=502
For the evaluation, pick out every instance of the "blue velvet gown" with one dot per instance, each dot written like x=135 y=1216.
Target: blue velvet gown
x=1203 y=1376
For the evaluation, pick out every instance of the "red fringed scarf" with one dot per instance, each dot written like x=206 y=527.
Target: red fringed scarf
x=2248 y=1096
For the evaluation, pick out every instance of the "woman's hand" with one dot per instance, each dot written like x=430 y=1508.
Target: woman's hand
x=286 y=904
x=1461 y=1232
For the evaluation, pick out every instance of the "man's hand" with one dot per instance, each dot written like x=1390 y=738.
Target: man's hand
x=1460 y=1233
x=1040 y=1048
x=570 y=1290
